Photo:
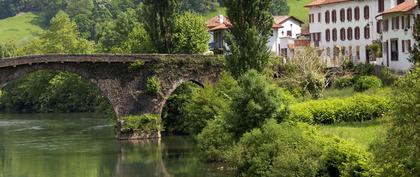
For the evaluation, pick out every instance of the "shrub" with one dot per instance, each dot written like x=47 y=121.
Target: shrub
x=364 y=69
x=256 y=101
x=360 y=107
x=153 y=85
x=387 y=77
x=367 y=82
x=145 y=123
x=290 y=149
x=215 y=140
x=343 y=82
x=397 y=153
x=136 y=65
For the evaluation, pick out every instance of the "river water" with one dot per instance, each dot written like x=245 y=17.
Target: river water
x=84 y=145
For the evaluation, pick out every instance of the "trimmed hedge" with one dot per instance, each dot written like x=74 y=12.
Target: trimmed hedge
x=367 y=82
x=360 y=107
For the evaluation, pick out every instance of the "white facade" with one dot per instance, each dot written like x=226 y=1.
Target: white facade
x=353 y=34
x=283 y=37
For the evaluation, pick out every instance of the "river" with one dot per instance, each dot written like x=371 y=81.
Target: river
x=84 y=145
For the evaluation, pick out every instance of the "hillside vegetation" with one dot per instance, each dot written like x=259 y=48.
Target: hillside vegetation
x=19 y=28
x=297 y=9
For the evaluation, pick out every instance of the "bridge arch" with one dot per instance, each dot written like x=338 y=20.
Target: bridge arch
x=124 y=88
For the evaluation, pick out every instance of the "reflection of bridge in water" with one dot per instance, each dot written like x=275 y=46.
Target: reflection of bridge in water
x=125 y=89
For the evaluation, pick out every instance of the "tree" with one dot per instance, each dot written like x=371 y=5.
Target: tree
x=398 y=152
x=255 y=102
x=62 y=37
x=190 y=34
x=415 y=52
x=159 y=18
x=279 y=7
x=250 y=31
x=8 y=49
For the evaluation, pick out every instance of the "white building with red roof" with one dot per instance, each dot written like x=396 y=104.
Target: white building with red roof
x=286 y=29
x=345 y=29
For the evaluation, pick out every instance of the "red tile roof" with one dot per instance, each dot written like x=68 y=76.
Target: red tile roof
x=279 y=20
x=323 y=2
x=403 y=7
x=214 y=23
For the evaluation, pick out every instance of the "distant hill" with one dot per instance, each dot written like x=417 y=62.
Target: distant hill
x=19 y=28
x=296 y=9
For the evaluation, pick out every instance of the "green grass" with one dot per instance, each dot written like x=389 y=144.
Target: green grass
x=20 y=28
x=363 y=133
x=346 y=92
x=210 y=15
x=297 y=10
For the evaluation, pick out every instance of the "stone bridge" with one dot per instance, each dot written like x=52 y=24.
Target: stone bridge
x=122 y=78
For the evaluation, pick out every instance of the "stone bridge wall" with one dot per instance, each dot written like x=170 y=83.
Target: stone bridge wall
x=125 y=89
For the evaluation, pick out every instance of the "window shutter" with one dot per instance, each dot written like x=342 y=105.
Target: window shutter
x=397 y=22
x=402 y=22
x=409 y=45
x=319 y=17
x=403 y=45
x=408 y=21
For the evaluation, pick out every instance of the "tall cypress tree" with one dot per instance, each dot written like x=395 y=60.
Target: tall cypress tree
x=415 y=52
x=251 y=28
x=159 y=21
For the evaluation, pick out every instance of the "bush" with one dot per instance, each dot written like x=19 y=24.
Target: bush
x=397 y=152
x=343 y=82
x=387 y=77
x=367 y=82
x=364 y=69
x=153 y=85
x=256 y=101
x=145 y=123
x=136 y=65
x=360 y=107
x=215 y=140
x=289 y=149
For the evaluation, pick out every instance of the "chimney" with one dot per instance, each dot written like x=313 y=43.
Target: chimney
x=221 y=18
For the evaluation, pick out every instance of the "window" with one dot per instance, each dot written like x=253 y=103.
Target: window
x=356 y=13
x=367 y=32
x=327 y=35
x=379 y=26
x=342 y=15
x=400 y=1
x=327 y=16
x=402 y=22
x=395 y=23
x=334 y=16
x=358 y=52
x=366 y=12
x=357 y=33
x=406 y=45
x=349 y=14
x=334 y=34
x=349 y=34
x=381 y=5
x=385 y=24
x=394 y=49
x=342 y=34
x=289 y=33
x=319 y=17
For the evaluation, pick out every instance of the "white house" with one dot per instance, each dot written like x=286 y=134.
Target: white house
x=286 y=29
x=346 y=28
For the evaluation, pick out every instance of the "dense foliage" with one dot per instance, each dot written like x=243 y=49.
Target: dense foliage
x=8 y=49
x=147 y=123
x=279 y=7
x=288 y=149
x=397 y=153
x=343 y=82
x=360 y=107
x=247 y=40
x=153 y=85
x=367 y=82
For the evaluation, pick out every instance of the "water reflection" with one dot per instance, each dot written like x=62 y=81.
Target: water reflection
x=83 y=145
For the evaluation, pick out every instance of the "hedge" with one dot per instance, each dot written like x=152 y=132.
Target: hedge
x=367 y=82
x=360 y=107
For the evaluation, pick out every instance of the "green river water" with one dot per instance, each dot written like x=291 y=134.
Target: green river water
x=84 y=145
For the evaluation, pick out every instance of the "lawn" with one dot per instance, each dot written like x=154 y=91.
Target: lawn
x=363 y=133
x=19 y=28
x=297 y=9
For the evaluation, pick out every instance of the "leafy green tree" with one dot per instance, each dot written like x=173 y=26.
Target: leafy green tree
x=250 y=31
x=398 y=152
x=279 y=7
x=8 y=49
x=190 y=34
x=61 y=37
x=159 y=18
x=255 y=102
x=138 y=41
x=415 y=52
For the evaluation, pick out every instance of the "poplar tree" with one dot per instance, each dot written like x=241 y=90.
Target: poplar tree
x=251 y=28
x=415 y=52
x=159 y=22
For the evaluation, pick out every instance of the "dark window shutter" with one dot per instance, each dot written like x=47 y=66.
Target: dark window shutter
x=403 y=45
